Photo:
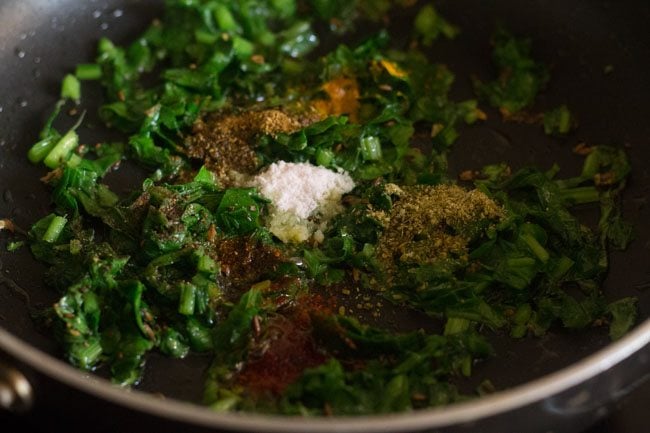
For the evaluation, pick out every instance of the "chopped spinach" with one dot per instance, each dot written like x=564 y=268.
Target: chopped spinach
x=520 y=77
x=186 y=262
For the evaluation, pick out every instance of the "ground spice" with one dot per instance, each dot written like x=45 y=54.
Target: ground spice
x=428 y=224
x=343 y=98
x=285 y=348
x=303 y=198
x=244 y=261
x=7 y=224
x=225 y=142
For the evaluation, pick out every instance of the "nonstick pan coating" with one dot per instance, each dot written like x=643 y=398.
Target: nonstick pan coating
x=40 y=41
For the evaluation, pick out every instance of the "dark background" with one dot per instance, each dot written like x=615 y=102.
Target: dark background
x=629 y=416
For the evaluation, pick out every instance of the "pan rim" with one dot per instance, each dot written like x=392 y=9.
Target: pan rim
x=465 y=412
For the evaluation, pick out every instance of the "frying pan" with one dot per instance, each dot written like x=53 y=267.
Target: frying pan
x=599 y=52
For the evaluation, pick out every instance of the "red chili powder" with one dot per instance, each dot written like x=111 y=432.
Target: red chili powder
x=289 y=349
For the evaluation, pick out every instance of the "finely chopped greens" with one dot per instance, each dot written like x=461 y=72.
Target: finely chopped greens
x=214 y=94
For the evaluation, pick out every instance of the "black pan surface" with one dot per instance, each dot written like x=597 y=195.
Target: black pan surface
x=40 y=41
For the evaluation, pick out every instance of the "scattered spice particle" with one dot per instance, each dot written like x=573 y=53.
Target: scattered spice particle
x=7 y=224
x=468 y=175
x=582 y=149
x=257 y=58
x=522 y=117
x=418 y=396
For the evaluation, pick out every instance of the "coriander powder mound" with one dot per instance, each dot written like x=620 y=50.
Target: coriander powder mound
x=430 y=224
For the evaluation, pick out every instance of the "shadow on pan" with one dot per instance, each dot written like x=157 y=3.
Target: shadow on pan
x=42 y=40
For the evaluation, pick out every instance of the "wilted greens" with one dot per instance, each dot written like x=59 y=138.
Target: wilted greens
x=186 y=263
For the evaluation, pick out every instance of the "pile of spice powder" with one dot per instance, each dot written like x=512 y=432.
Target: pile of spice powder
x=304 y=197
x=225 y=142
x=429 y=224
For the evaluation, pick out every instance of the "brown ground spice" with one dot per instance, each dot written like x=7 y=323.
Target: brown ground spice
x=244 y=261
x=225 y=142
x=428 y=224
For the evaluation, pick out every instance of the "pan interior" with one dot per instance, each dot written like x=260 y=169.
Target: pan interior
x=41 y=41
